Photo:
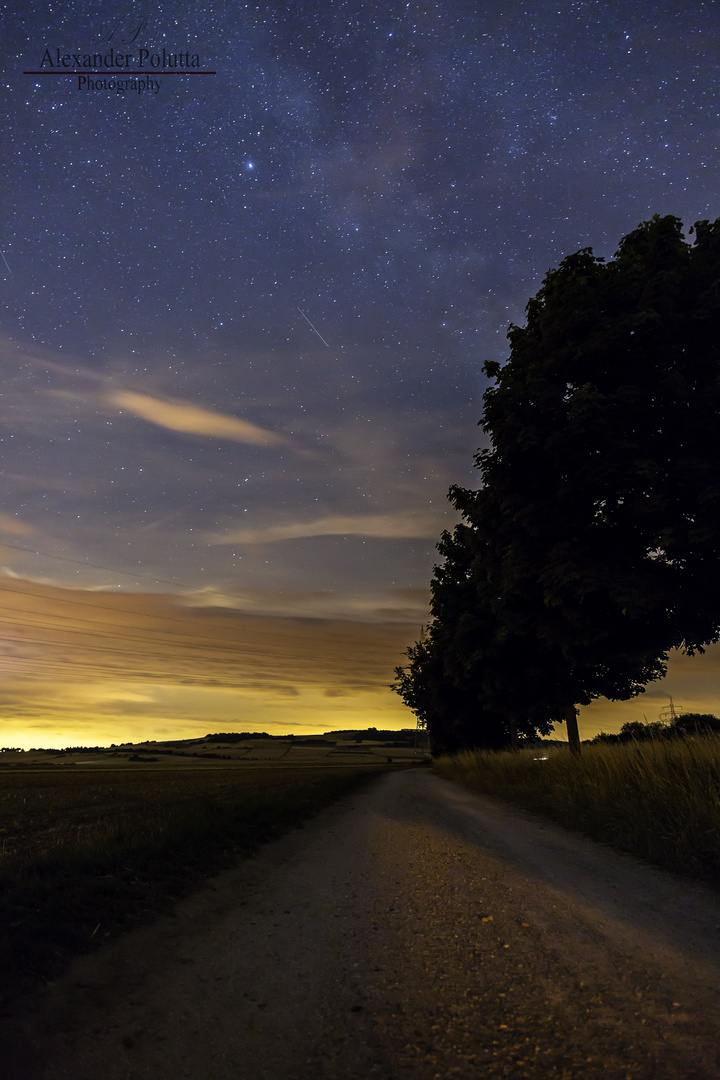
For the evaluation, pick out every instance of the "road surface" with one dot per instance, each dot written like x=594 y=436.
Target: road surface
x=412 y=931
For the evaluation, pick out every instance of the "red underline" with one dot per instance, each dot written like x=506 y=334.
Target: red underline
x=154 y=71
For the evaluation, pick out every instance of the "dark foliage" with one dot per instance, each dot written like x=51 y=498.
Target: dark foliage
x=635 y=731
x=593 y=545
x=236 y=736
x=696 y=724
x=681 y=726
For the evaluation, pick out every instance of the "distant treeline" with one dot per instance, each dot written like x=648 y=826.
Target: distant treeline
x=389 y=738
x=403 y=737
x=233 y=736
x=679 y=727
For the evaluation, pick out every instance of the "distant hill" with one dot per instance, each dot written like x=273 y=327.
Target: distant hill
x=226 y=739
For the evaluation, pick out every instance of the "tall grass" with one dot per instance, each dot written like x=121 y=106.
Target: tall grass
x=659 y=799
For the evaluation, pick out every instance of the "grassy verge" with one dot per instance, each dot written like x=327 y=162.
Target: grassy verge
x=85 y=857
x=658 y=799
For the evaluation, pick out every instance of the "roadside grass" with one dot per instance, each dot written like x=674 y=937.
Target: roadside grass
x=86 y=855
x=658 y=799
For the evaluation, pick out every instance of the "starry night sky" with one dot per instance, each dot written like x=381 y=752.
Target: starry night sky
x=243 y=321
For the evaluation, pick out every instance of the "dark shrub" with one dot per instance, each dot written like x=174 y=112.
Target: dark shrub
x=695 y=724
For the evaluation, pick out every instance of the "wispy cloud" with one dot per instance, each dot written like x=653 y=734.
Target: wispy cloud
x=13 y=526
x=380 y=526
x=193 y=420
x=349 y=605
x=108 y=667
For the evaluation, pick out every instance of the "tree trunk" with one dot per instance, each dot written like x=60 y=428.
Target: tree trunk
x=514 y=741
x=572 y=729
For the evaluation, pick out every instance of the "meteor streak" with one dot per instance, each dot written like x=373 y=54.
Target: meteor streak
x=5 y=261
x=309 y=324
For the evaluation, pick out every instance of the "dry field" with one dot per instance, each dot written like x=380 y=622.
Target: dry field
x=43 y=810
x=86 y=851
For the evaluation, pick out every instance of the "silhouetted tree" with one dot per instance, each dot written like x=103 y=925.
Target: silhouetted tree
x=471 y=686
x=452 y=713
x=604 y=463
x=593 y=545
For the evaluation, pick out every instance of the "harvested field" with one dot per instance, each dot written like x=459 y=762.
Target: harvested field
x=86 y=852
x=42 y=811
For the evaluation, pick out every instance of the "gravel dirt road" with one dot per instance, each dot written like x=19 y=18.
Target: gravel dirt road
x=412 y=930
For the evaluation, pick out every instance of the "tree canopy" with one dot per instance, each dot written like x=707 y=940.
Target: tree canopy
x=592 y=546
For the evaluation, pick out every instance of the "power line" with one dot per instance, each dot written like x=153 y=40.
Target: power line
x=94 y=566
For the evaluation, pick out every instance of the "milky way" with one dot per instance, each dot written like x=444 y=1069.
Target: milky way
x=242 y=338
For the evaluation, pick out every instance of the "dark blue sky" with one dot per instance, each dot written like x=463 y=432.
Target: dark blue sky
x=402 y=174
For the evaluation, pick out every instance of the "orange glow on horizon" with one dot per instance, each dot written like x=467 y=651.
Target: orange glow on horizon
x=93 y=668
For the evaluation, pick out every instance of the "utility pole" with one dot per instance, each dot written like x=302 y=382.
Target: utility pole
x=668 y=713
